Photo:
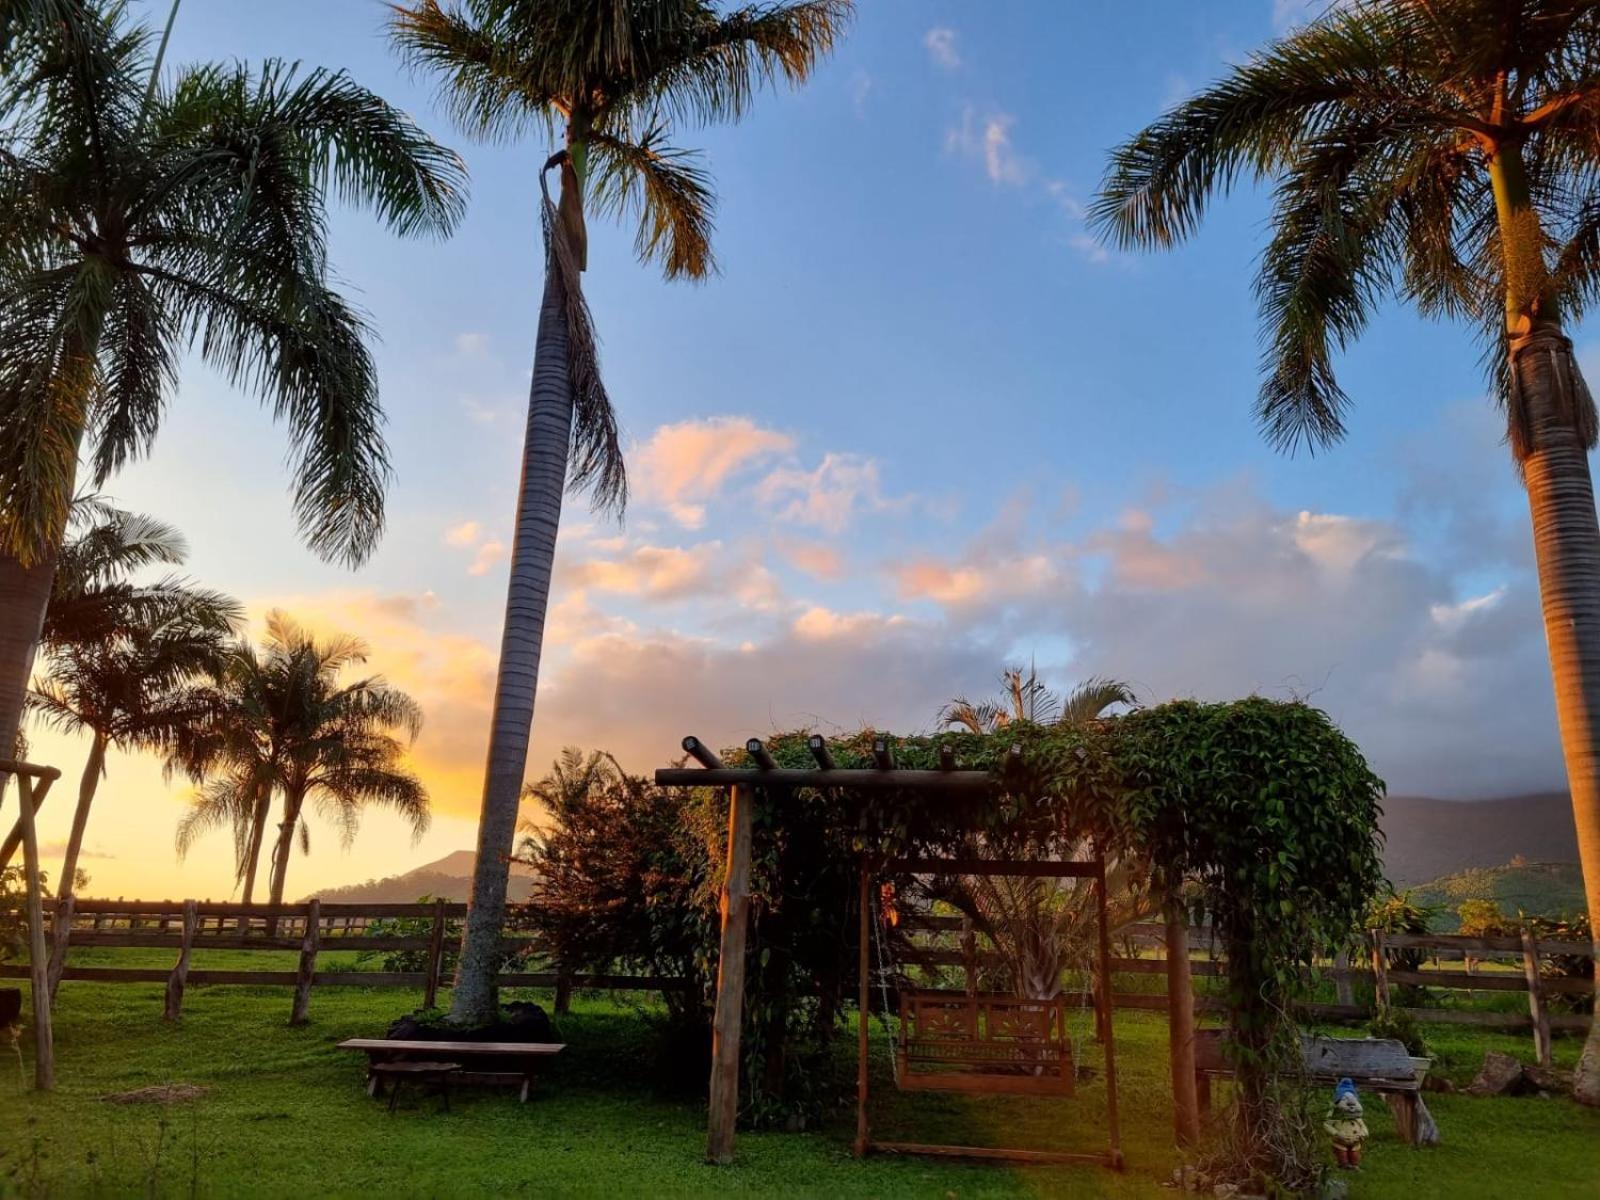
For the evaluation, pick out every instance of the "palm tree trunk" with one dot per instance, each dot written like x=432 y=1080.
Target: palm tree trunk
x=80 y=817
x=292 y=804
x=474 y=999
x=252 y=854
x=1566 y=542
x=24 y=594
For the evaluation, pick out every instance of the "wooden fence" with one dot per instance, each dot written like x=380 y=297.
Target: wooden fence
x=316 y=928
x=311 y=929
x=1146 y=945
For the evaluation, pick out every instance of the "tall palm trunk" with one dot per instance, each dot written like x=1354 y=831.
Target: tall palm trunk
x=544 y=479
x=1552 y=426
x=252 y=850
x=92 y=770
x=1566 y=543
x=293 y=802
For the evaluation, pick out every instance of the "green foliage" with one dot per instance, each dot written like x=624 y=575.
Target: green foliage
x=13 y=924
x=1400 y=912
x=417 y=960
x=1542 y=889
x=1479 y=918
x=1400 y=1025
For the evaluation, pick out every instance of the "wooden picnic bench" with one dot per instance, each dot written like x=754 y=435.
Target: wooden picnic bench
x=1379 y=1065
x=487 y=1063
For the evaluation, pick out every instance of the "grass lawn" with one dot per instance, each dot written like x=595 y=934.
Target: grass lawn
x=286 y=1116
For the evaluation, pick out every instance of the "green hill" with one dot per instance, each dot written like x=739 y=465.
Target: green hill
x=1538 y=889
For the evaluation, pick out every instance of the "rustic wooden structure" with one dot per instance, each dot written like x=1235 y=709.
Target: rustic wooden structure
x=1378 y=1065
x=488 y=1063
x=33 y=784
x=766 y=775
x=956 y=1042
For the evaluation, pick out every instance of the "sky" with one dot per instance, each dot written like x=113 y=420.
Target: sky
x=920 y=426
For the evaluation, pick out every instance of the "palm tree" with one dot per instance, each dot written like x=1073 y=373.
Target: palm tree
x=1026 y=698
x=97 y=607
x=1442 y=152
x=608 y=80
x=143 y=216
x=284 y=721
x=133 y=687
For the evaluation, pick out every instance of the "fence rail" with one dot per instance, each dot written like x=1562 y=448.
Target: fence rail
x=315 y=928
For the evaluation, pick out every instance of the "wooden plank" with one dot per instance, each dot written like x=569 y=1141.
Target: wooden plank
x=1021 y=867
x=465 y=1049
x=180 y=972
x=726 y=1024
x=435 y=968
x=993 y=1153
x=406 y=979
x=1104 y=1009
x=1538 y=1017
x=1461 y=981
x=1158 y=966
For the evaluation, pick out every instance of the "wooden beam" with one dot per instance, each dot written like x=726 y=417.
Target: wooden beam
x=727 y=1022
x=758 y=752
x=1107 y=1040
x=974 y=782
x=819 y=751
x=697 y=750
x=1180 y=1025
x=60 y=941
x=44 y=1048
x=1027 y=867
x=864 y=1002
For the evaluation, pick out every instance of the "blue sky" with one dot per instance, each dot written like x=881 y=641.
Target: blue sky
x=921 y=425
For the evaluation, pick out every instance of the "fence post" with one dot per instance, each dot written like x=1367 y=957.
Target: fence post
x=60 y=939
x=435 y=967
x=179 y=978
x=308 y=964
x=1380 y=972
x=969 y=955
x=563 y=1004
x=1344 y=993
x=1536 y=1006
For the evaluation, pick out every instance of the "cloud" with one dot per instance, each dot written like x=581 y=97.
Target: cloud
x=685 y=466
x=987 y=139
x=465 y=534
x=829 y=496
x=472 y=345
x=817 y=559
x=489 y=553
x=940 y=42
x=656 y=572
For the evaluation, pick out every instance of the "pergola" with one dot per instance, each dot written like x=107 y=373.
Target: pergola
x=885 y=775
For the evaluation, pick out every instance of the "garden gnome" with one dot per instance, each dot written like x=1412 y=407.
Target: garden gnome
x=1345 y=1126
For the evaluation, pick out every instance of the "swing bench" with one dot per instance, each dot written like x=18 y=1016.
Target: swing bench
x=986 y=1043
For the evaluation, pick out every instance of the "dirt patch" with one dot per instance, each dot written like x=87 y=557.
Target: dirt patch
x=164 y=1093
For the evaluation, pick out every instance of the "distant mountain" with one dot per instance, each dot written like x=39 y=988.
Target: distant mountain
x=1538 y=889
x=1429 y=839
x=449 y=877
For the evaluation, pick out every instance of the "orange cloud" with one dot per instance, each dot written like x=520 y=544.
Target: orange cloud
x=685 y=465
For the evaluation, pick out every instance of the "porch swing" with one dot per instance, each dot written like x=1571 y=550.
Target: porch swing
x=983 y=1043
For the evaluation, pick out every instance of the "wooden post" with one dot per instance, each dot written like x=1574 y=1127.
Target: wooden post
x=563 y=1000
x=1180 y=1025
x=1107 y=1040
x=430 y=994
x=864 y=1002
x=1344 y=992
x=60 y=939
x=44 y=1044
x=179 y=978
x=725 y=1028
x=1380 y=972
x=308 y=964
x=969 y=955
x=1536 y=1005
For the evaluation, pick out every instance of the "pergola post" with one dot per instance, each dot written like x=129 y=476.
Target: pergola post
x=726 y=1024
x=44 y=1051
x=1180 y=1024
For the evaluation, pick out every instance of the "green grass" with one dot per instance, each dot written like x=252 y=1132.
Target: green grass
x=286 y=1116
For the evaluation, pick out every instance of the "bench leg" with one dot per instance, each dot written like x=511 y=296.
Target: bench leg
x=1202 y=1092
x=527 y=1087
x=374 y=1085
x=1404 y=1108
x=394 y=1094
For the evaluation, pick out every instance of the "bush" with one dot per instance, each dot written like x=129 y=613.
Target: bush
x=417 y=960
x=1402 y=1027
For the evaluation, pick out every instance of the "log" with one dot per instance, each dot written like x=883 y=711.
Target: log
x=307 y=973
x=725 y=1029
x=180 y=972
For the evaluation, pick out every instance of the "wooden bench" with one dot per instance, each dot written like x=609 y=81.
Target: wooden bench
x=497 y=1062
x=1378 y=1065
x=952 y=1042
x=436 y=1075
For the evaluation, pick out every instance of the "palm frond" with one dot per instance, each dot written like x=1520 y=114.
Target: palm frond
x=662 y=188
